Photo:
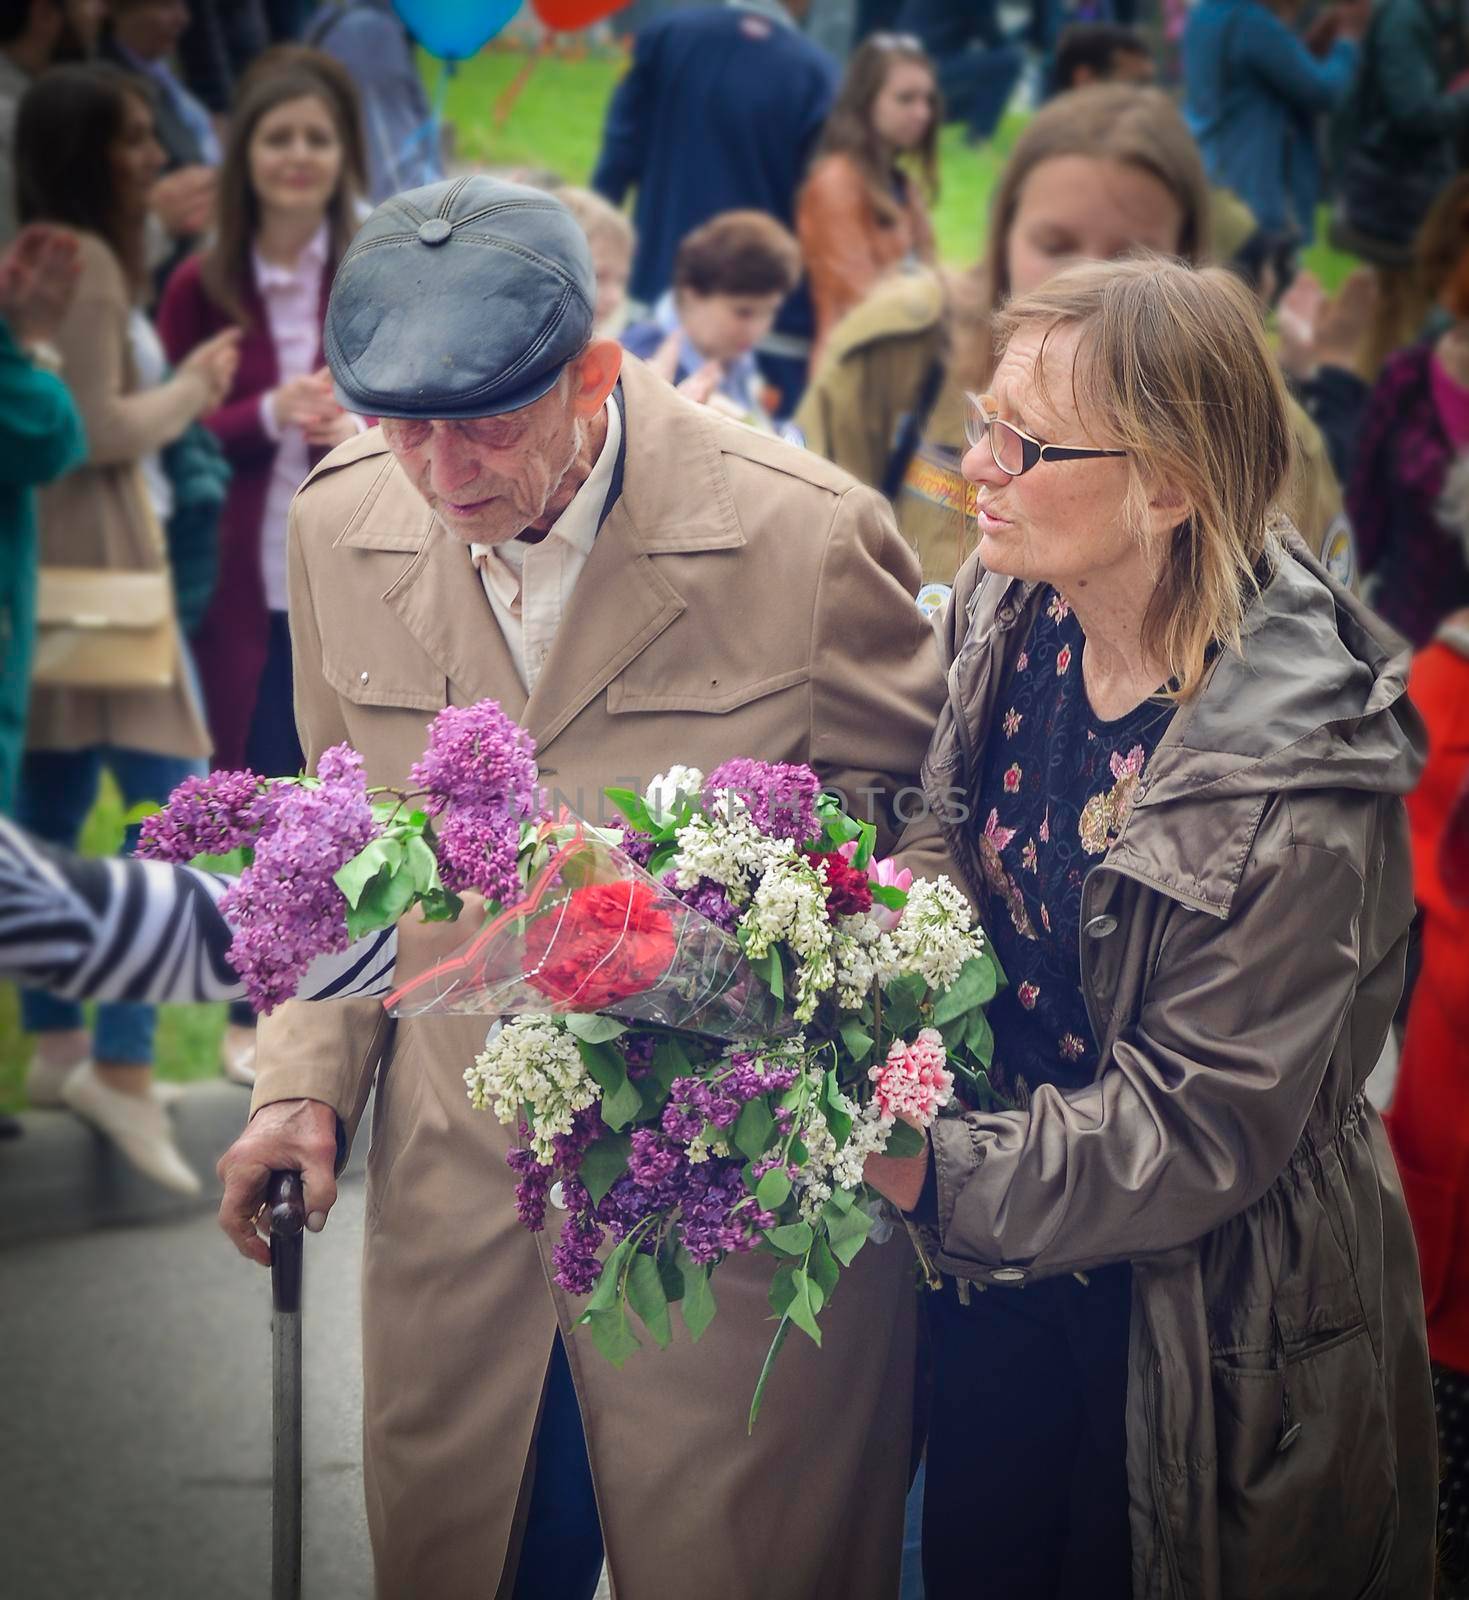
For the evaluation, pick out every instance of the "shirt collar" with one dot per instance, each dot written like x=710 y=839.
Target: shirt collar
x=766 y=8
x=270 y=275
x=577 y=525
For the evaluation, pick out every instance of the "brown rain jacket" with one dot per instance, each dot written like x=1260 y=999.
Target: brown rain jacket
x=1242 y=955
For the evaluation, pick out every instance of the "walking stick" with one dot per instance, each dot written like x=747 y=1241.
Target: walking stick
x=287 y=1219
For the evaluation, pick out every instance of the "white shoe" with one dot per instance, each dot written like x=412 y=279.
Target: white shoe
x=45 y=1080
x=136 y=1124
x=237 y=1054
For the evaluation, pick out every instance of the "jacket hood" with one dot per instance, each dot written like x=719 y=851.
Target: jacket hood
x=1316 y=698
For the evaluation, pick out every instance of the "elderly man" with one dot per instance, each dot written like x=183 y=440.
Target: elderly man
x=639 y=583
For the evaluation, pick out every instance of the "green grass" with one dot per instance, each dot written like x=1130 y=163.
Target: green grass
x=555 y=125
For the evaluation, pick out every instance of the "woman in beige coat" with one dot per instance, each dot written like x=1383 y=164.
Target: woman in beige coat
x=1178 y=1335
x=86 y=157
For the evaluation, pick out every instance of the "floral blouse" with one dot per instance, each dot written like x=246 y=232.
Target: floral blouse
x=1055 y=789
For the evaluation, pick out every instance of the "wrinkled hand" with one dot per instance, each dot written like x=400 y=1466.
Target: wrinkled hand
x=288 y=1136
x=422 y=945
x=38 y=278
x=898 y=1178
x=184 y=201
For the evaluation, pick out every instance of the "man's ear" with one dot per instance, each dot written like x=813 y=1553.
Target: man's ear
x=595 y=375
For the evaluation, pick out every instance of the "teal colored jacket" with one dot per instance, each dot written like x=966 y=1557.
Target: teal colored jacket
x=40 y=438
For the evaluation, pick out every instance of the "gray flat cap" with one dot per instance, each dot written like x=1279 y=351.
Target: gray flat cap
x=461 y=299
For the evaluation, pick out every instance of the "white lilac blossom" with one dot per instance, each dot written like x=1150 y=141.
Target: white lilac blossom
x=728 y=850
x=669 y=788
x=936 y=935
x=864 y=956
x=532 y=1064
x=789 y=907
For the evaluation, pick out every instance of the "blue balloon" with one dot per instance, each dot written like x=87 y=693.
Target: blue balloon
x=455 y=29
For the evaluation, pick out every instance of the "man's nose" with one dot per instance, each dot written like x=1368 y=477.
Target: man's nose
x=450 y=465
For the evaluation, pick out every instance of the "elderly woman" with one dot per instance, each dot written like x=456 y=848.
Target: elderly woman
x=1178 y=1337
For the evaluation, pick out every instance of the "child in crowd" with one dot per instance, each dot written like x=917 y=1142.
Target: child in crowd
x=729 y=279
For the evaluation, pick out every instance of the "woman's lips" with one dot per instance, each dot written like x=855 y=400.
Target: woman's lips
x=989 y=521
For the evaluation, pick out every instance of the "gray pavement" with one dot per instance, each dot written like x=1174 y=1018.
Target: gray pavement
x=135 y=1415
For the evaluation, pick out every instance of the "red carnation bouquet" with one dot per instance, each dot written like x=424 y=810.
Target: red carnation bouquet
x=605 y=943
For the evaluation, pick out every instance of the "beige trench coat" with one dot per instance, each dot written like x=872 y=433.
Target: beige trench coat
x=1242 y=947
x=742 y=598
x=97 y=516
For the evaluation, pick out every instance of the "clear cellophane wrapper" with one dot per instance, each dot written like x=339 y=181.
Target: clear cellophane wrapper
x=593 y=932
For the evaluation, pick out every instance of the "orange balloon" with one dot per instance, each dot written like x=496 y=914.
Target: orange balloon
x=567 y=15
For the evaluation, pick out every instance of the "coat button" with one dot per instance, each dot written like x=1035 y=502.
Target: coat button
x=363 y=678
x=1008 y=1275
x=1100 y=927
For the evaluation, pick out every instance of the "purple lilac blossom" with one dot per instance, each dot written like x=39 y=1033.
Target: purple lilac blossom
x=781 y=796
x=478 y=848
x=708 y=899
x=637 y=846
x=284 y=907
x=478 y=756
x=208 y=817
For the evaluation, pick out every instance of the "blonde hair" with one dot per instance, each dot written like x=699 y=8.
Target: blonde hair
x=1135 y=127
x=599 y=218
x=1172 y=366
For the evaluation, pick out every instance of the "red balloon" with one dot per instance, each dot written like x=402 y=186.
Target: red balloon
x=567 y=15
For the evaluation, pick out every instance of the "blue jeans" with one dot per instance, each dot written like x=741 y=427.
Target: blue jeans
x=57 y=791
x=561 y=1553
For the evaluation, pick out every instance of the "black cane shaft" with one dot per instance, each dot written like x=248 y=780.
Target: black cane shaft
x=287 y=1208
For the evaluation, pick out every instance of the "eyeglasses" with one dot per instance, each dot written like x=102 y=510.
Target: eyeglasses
x=1014 y=450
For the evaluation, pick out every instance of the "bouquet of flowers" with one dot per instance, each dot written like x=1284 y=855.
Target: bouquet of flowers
x=708 y=1019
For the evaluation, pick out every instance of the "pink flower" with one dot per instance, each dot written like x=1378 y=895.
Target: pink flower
x=1071 y=1047
x=999 y=837
x=1045 y=919
x=887 y=875
x=1012 y=778
x=1027 y=994
x=1022 y=661
x=1011 y=724
x=1045 y=833
x=915 y=1080
x=1063 y=660
x=1058 y=610
x=1029 y=857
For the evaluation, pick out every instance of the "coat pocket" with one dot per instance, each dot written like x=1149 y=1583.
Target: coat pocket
x=1307 y=1496
x=626 y=694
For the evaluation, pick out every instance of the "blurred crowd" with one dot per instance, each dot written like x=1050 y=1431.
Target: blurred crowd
x=179 y=178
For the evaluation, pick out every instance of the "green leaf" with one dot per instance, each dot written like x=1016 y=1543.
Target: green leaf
x=838 y=1120
x=887 y=894
x=671 y=1275
x=794 y=1239
x=905 y=1140
x=857 y=1040
x=593 y=1029
x=422 y=864
x=773 y=1190
x=140 y=812
x=783 y=1288
x=670 y=1061
x=634 y=808
x=645 y=1294
x=440 y=905
x=233 y=862
x=621 y=1102
x=846 y=1230
x=752 y=1131
x=805 y=1305
x=611 y=1334
x=353 y=878
x=974 y=986
x=659 y=861
x=822 y=1269
x=604 y=1163
x=608 y=1290
x=765 y=1371
x=382 y=902
x=980 y=1040
x=842 y=1201
x=698 y=1297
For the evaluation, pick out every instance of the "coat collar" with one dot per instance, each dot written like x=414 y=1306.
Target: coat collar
x=676 y=499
